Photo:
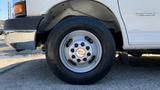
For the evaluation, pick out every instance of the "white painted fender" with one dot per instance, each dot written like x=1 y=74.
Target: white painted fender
x=36 y=8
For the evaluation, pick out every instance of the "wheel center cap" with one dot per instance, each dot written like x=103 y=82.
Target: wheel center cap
x=80 y=52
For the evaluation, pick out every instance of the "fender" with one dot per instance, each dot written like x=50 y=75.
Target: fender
x=54 y=11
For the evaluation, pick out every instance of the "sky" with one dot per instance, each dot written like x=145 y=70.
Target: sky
x=4 y=9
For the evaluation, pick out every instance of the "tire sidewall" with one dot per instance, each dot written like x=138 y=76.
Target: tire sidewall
x=80 y=23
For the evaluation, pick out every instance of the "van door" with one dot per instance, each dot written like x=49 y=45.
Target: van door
x=142 y=20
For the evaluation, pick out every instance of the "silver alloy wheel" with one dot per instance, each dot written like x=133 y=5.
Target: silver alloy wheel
x=80 y=51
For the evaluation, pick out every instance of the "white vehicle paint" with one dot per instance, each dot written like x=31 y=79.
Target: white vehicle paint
x=140 y=29
x=41 y=8
x=141 y=18
x=138 y=20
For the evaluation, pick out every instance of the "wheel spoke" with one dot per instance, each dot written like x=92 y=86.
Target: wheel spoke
x=69 y=42
x=92 y=59
x=73 y=63
x=88 y=39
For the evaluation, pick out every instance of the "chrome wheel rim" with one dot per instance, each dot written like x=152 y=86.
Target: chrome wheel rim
x=80 y=51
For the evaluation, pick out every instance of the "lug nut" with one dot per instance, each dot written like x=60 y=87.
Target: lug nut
x=85 y=59
x=76 y=45
x=78 y=60
x=87 y=47
x=82 y=44
x=88 y=54
x=73 y=56
x=72 y=50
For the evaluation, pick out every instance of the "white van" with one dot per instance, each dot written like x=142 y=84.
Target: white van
x=81 y=37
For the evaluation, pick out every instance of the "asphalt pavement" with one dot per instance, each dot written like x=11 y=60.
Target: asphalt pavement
x=31 y=72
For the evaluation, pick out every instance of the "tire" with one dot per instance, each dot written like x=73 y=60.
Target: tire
x=80 y=29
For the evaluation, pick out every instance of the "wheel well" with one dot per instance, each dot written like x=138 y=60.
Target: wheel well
x=88 y=8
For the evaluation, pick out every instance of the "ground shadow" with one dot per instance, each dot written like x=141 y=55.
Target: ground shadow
x=145 y=71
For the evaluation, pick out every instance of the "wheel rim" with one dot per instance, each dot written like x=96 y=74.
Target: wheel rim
x=80 y=51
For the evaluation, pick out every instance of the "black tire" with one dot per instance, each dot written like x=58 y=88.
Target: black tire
x=69 y=25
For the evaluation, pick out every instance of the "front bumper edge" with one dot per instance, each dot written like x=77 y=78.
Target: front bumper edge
x=20 y=32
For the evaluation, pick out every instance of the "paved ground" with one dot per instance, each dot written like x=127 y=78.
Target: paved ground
x=30 y=72
x=4 y=49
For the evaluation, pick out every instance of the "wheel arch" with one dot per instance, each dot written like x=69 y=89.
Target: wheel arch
x=95 y=9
